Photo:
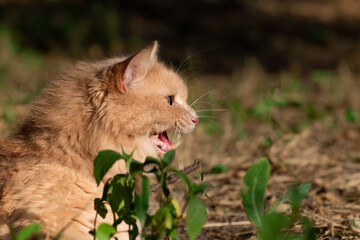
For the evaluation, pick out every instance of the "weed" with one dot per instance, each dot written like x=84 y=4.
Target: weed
x=129 y=204
x=219 y=168
x=27 y=232
x=352 y=115
x=238 y=117
x=271 y=224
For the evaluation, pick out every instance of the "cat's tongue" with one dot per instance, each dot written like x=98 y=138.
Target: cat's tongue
x=164 y=138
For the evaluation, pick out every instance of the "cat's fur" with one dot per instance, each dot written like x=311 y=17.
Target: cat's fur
x=46 y=170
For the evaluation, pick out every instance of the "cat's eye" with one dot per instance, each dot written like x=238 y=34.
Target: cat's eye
x=170 y=99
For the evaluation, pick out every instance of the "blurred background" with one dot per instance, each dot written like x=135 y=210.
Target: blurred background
x=279 y=34
x=276 y=78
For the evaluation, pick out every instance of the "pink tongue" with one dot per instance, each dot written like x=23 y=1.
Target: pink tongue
x=164 y=140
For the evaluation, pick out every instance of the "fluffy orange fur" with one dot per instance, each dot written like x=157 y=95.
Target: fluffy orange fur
x=46 y=169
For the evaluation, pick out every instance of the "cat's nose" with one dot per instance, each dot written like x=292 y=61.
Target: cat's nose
x=195 y=121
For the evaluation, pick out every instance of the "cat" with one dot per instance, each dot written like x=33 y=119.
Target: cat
x=46 y=169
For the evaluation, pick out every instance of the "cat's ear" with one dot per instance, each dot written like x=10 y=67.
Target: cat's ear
x=134 y=68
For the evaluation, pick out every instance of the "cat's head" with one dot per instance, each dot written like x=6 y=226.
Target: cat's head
x=138 y=100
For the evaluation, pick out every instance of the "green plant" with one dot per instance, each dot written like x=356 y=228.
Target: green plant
x=264 y=108
x=219 y=168
x=352 y=115
x=239 y=116
x=128 y=196
x=27 y=232
x=272 y=224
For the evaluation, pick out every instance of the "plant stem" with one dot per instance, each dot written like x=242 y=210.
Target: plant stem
x=173 y=177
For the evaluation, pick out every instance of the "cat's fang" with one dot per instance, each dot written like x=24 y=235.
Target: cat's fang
x=175 y=146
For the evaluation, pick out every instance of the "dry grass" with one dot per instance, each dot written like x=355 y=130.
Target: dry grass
x=308 y=137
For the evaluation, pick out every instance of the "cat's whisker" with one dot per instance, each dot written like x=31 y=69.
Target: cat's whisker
x=192 y=72
x=212 y=121
x=208 y=92
x=194 y=140
x=192 y=55
x=207 y=116
x=203 y=102
x=211 y=110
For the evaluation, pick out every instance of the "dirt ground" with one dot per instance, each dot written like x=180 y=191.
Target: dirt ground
x=309 y=137
x=327 y=159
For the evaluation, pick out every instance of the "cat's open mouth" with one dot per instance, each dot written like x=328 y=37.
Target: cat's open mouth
x=161 y=141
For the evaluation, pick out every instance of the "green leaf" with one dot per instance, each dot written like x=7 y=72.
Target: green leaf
x=103 y=162
x=152 y=165
x=255 y=182
x=134 y=232
x=354 y=225
x=309 y=230
x=184 y=178
x=196 y=217
x=200 y=188
x=142 y=200
x=151 y=160
x=163 y=183
x=28 y=231
x=106 y=190
x=162 y=219
x=130 y=219
x=100 y=207
x=267 y=143
x=172 y=234
x=272 y=226
x=152 y=237
x=104 y=231
x=121 y=196
x=128 y=160
x=135 y=167
x=168 y=158
x=350 y=115
x=294 y=195
x=219 y=168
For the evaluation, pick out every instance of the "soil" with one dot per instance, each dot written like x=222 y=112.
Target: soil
x=323 y=151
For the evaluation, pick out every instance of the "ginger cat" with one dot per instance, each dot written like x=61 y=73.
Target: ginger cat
x=46 y=169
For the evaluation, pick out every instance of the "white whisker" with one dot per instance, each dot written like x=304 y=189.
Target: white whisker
x=192 y=55
x=189 y=70
x=203 y=102
x=205 y=116
x=213 y=122
x=211 y=110
x=201 y=97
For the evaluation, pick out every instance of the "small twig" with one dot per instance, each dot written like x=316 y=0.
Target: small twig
x=173 y=177
x=227 y=224
x=329 y=221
